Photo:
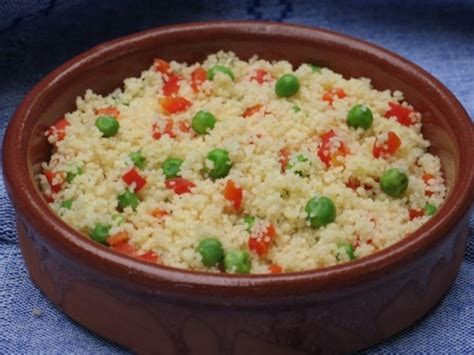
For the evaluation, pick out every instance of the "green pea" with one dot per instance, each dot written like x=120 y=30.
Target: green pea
x=360 y=116
x=203 y=122
x=315 y=68
x=287 y=85
x=291 y=165
x=296 y=108
x=108 y=125
x=348 y=249
x=321 y=211
x=100 y=233
x=249 y=221
x=70 y=175
x=394 y=182
x=237 y=261
x=222 y=163
x=128 y=199
x=171 y=167
x=67 y=204
x=219 y=68
x=138 y=159
x=430 y=209
x=211 y=251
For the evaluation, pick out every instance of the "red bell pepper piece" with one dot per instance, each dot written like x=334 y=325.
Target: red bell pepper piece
x=171 y=86
x=198 y=76
x=252 y=110
x=401 y=113
x=261 y=242
x=108 y=111
x=330 y=95
x=259 y=76
x=133 y=177
x=330 y=148
x=233 y=194
x=275 y=269
x=415 y=213
x=167 y=130
x=55 y=180
x=58 y=129
x=388 y=147
x=174 y=104
x=179 y=185
x=161 y=66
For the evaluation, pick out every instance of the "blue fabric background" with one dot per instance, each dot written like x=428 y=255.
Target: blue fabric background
x=38 y=35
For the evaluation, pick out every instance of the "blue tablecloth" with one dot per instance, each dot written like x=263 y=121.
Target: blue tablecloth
x=38 y=35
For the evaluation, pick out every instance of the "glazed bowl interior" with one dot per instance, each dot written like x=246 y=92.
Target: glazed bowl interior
x=104 y=68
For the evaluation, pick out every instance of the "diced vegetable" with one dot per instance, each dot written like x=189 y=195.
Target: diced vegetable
x=161 y=66
x=198 y=76
x=58 y=129
x=330 y=95
x=426 y=178
x=125 y=248
x=284 y=158
x=415 y=213
x=100 y=233
x=259 y=76
x=117 y=238
x=275 y=269
x=293 y=163
x=149 y=256
x=128 y=199
x=108 y=111
x=403 y=114
x=252 y=110
x=348 y=249
x=331 y=148
x=261 y=241
x=138 y=159
x=171 y=105
x=249 y=221
x=315 y=68
x=168 y=130
x=71 y=175
x=386 y=144
x=233 y=194
x=133 y=177
x=55 y=180
x=171 y=86
x=179 y=185
x=67 y=204
x=430 y=209
x=159 y=213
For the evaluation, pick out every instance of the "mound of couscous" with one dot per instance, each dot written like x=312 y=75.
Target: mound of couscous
x=243 y=166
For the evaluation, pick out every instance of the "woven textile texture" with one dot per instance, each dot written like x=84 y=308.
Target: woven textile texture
x=38 y=35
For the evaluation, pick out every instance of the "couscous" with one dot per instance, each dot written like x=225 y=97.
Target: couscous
x=243 y=166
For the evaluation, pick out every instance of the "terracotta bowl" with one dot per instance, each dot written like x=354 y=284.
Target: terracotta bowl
x=157 y=309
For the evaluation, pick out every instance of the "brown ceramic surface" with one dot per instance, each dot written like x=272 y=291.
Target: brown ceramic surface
x=157 y=309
